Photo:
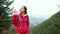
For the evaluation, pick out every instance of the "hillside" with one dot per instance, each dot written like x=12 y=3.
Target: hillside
x=50 y=26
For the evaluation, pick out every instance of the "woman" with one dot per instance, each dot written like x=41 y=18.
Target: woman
x=21 y=21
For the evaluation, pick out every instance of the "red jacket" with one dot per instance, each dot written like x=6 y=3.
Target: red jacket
x=23 y=24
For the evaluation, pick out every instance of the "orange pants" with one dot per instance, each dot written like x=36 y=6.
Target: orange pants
x=20 y=33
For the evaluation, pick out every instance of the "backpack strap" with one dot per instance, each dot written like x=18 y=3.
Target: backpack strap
x=18 y=18
x=27 y=20
x=18 y=22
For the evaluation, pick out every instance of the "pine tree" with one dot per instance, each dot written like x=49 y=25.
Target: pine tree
x=5 y=20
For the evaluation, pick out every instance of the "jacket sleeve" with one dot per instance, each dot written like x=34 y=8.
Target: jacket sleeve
x=14 y=19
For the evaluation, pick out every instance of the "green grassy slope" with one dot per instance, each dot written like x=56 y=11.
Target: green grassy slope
x=50 y=26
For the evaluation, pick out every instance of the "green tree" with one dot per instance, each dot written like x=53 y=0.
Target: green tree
x=5 y=20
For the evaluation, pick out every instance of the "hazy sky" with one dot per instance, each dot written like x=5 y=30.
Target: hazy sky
x=38 y=7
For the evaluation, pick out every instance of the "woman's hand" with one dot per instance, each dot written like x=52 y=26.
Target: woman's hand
x=14 y=13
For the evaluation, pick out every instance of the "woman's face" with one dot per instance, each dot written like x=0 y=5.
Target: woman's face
x=22 y=9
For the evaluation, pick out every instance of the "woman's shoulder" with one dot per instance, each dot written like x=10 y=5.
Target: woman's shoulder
x=26 y=15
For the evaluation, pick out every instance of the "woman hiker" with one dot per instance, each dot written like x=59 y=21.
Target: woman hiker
x=21 y=21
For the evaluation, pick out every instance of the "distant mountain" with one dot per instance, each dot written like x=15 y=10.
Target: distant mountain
x=35 y=21
x=50 y=26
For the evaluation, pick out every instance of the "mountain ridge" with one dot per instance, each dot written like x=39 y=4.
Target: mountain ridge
x=50 y=26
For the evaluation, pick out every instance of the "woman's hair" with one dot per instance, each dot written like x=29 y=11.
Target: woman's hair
x=25 y=8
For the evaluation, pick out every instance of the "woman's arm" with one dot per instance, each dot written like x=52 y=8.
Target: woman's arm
x=14 y=18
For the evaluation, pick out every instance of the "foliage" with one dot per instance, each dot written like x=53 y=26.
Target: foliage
x=5 y=20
